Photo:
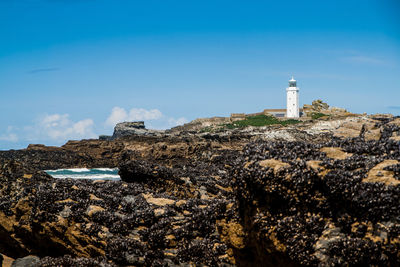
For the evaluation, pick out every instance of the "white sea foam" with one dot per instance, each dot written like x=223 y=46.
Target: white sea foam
x=82 y=170
x=70 y=170
x=106 y=169
x=84 y=173
x=98 y=176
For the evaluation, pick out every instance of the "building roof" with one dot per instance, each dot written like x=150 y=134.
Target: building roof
x=275 y=110
x=278 y=110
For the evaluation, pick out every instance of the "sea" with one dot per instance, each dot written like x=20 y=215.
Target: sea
x=84 y=173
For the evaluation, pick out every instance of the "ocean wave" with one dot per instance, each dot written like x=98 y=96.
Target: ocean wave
x=96 y=176
x=85 y=173
x=106 y=169
x=82 y=170
x=69 y=170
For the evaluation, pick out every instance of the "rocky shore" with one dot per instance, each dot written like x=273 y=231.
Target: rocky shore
x=318 y=193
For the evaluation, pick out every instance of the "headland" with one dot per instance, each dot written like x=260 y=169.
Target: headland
x=246 y=190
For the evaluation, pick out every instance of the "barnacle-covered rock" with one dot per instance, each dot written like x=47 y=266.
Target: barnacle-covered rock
x=160 y=218
x=322 y=199
x=336 y=203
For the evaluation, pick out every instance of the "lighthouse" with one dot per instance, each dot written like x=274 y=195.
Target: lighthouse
x=292 y=99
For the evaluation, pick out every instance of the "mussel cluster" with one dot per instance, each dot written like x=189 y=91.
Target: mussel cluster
x=273 y=203
x=321 y=215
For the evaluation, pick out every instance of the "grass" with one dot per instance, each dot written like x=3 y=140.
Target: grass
x=206 y=130
x=317 y=115
x=259 y=120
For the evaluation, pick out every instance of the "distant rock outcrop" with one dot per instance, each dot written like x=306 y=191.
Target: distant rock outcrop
x=123 y=129
x=322 y=108
x=129 y=128
x=201 y=123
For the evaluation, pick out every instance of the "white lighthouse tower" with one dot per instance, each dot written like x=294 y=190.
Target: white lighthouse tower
x=292 y=100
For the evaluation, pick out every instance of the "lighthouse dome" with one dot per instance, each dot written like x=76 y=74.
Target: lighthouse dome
x=292 y=82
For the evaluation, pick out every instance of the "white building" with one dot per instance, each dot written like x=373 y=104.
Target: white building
x=292 y=100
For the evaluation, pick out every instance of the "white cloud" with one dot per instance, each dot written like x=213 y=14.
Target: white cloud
x=142 y=114
x=9 y=136
x=60 y=127
x=117 y=115
x=83 y=127
x=364 y=60
x=153 y=117
x=175 y=122
x=135 y=114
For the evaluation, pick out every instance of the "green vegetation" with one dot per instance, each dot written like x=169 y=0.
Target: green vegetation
x=259 y=120
x=230 y=126
x=206 y=130
x=317 y=115
x=289 y=121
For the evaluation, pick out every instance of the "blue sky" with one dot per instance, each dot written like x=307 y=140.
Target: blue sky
x=70 y=69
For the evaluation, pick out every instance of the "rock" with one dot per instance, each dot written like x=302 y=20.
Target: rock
x=281 y=196
x=132 y=128
x=67 y=260
x=92 y=209
x=5 y=261
x=276 y=165
x=133 y=225
x=74 y=154
x=319 y=210
x=28 y=261
x=374 y=134
x=142 y=171
x=335 y=153
x=159 y=212
x=98 y=153
x=158 y=201
x=319 y=105
x=232 y=233
x=201 y=123
x=379 y=174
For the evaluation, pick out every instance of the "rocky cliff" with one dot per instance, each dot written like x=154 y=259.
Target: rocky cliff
x=319 y=193
x=131 y=128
